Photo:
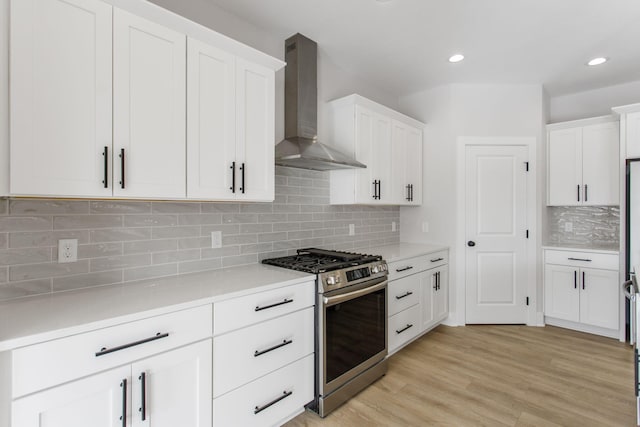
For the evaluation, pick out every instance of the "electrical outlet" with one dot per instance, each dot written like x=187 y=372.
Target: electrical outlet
x=67 y=250
x=568 y=227
x=216 y=239
x=352 y=229
x=393 y=226
x=425 y=227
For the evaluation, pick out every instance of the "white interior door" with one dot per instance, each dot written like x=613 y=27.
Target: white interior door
x=496 y=269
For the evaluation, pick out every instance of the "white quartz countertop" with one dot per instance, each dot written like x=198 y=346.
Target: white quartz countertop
x=400 y=251
x=582 y=248
x=42 y=318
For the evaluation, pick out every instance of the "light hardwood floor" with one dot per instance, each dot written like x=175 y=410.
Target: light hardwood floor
x=497 y=376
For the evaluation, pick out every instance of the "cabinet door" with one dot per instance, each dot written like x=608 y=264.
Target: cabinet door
x=564 y=174
x=633 y=135
x=599 y=298
x=600 y=160
x=211 y=125
x=149 y=111
x=175 y=388
x=440 y=300
x=382 y=157
x=373 y=148
x=561 y=293
x=255 y=132
x=60 y=97
x=399 y=163
x=95 y=401
x=414 y=164
x=428 y=280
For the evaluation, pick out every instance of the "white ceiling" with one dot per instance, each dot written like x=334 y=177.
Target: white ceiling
x=403 y=45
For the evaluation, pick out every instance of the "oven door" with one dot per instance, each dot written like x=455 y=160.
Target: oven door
x=353 y=332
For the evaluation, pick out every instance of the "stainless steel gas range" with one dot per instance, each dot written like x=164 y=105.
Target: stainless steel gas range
x=351 y=321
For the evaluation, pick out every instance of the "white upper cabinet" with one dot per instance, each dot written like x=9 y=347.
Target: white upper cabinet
x=61 y=84
x=385 y=141
x=149 y=108
x=583 y=163
x=406 y=164
x=629 y=130
x=99 y=108
x=231 y=132
x=211 y=121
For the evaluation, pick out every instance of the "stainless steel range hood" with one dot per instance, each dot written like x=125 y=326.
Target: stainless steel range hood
x=301 y=148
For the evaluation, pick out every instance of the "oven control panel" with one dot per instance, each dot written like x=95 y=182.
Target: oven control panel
x=336 y=279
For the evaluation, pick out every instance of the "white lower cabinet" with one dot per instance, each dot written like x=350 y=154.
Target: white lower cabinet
x=169 y=389
x=263 y=356
x=582 y=291
x=417 y=297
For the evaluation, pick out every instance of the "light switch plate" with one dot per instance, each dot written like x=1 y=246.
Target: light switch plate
x=568 y=227
x=216 y=239
x=352 y=229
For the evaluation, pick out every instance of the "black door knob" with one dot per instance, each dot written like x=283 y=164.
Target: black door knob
x=471 y=243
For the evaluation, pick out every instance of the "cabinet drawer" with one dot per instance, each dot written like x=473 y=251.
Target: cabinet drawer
x=403 y=327
x=582 y=259
x=413 y=265
x=239 y=312
x=403 y=293
x=244 y=355
x=239 y=407
x=44 y=365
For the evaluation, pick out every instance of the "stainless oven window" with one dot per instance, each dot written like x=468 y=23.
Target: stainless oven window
x=355 y=331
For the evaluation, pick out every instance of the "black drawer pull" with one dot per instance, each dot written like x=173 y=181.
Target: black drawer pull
x=399 y=331
x=579 y=259
x=105 y=350
x=437 y=259
x=275 y=347
x=259 y=409
x=404 y=295
x=409 y=267
x=286 y=301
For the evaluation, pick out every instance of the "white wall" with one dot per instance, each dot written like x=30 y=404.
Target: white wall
x=592 y=103
x=4 y=96
x=473 y=111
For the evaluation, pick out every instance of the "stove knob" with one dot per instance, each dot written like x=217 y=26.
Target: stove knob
x=333 y=280
x=375 y=269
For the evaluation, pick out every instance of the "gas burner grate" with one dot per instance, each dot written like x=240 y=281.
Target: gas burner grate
x=313 y=260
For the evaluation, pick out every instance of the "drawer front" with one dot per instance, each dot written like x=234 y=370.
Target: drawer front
x=239 y=312
x=246 y=354
x=403 y=327
x=403 y=293
x=582 y=259
x=44 y=365
x=239 y=407
x=413 y=265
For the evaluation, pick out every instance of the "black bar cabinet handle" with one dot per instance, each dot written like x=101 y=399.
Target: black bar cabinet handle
x=275 y=347
x=435 y=281
x=409 y=267
x=408 y=192
x=379 y=189
x=105 y=153
x=586 y=194
x=242 y=168
x=438 y=280
x=375 y=189
x=105 y=350
x=412 y=192
x=123 y=417
x=122 y=168
x=579 y=259
x=575 y=279
x=406 y=294
x=233 y=177
x=286 y=301
x=399 y=331
x=285 y=394
x=143 y=389
x=578 y=192
x=437 y=259
x=583 y=280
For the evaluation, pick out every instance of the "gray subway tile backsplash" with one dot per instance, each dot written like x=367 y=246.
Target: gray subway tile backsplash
x=122 y=241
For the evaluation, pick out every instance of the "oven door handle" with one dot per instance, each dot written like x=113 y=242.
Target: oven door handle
x=337 y=299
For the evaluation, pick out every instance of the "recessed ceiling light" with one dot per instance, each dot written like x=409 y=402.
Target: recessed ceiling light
x=456 y=58
x=597 y=61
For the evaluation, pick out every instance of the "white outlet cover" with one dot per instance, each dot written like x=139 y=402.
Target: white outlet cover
x=352 y=229
x=393 y=226
x=67 y=250
x=425 y=227
x=216 y=239
x=568 y=227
